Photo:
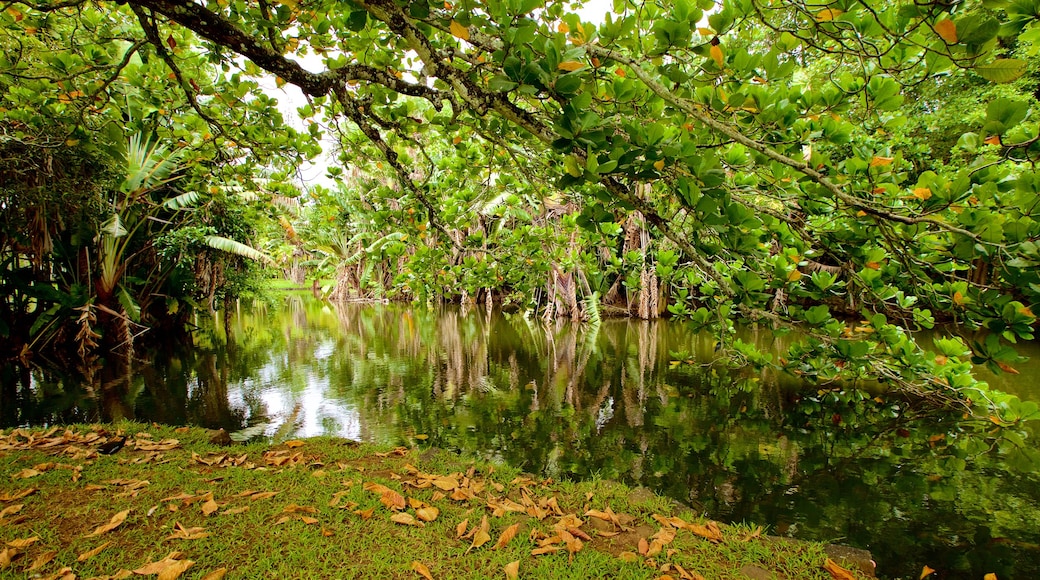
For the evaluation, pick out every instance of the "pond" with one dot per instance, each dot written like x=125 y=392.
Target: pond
x=631 y=401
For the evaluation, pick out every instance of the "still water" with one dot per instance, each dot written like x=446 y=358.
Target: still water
x=620 y=403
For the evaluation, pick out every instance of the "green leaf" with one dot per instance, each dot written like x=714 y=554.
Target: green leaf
x=237 y=248
x=1002 y=70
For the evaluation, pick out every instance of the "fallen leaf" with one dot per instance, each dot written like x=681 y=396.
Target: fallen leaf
x=512 y=570
x=234 y=511
x=926 y=571
x=421 y=569
x=366 y=514
x=209 y=507
x=26 y=474
x=545 y=550
x=406 y=519
x=43 y=559
x=507 y=536
x=294 y=444
x=159 y=565
x=293 y=508
x=836 y=571
x=7 y=555
x=263 y=495
x=427 y=513
x=18 y=495
x=628 y=557
x=175 y=570
x=91 y=553
x=481 y=536
x=460 y=528
x=24 y=543
x=643 y=546
x=182 y=533
x=990 y=576
x=116 y=521
x=710 y=531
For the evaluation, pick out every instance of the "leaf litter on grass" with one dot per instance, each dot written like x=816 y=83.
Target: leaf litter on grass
x=463 y=495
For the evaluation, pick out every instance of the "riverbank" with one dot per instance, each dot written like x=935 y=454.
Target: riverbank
x=178 y=503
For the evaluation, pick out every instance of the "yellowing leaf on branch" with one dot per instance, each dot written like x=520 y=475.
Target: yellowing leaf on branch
x=716 y=54
x=922 y=193
x=570 y=65
x=459 y=31
x=879 y=161
x=925 y=572
x=828 y=14
x=947 y=30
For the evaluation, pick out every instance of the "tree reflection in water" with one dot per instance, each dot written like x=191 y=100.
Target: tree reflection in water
x=636 y=401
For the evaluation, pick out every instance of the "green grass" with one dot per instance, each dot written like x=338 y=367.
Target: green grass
x=259 y=538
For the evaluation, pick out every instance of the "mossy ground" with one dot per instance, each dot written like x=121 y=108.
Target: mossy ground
x=302 y=510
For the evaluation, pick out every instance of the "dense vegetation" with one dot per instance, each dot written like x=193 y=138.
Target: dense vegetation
x=857 y=170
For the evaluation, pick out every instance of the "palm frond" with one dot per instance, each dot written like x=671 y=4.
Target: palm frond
x=148 y=165
x=183 y=201
x=237 y=248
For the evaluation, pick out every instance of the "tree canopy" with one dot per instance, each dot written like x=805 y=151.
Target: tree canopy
x=858 y=170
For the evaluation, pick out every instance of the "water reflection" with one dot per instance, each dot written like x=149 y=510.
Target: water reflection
x=558 y=400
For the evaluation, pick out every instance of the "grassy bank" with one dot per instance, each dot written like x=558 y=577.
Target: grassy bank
x=174 y=504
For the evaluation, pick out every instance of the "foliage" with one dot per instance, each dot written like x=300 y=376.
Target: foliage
x=754 y=159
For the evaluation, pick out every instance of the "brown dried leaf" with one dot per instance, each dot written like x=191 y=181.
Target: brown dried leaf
x=42 y=560
x=294 y=444
x=460 y=529
x=710 y=531
x=512 y=570
x=507 y=536
x=18 y=495
x=116 y=521
x=11 y=510
x=643 y=547
x=159 y=565
x=26 y=474
x=182 y=533
x=293 y=508
x=308 y=520
x=836 y=571
x=217 y=574
x=91 y=553
x=173 y=571
x=234 y=511
x=263 y=495
x=7 y=555
x=209 y=506
x=545 y=550
x=427 y=514
x=366 y=514
x=406 y=519
x=421 y=569
x=481 y=536
x=65 y=573
x=628 y=557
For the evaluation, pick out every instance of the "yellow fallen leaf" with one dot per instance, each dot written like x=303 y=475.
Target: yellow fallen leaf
x=294 y=444
x=507 y=536
x=421 y=569
x=5 y=497
x=217 y=574
x=545 y=550
x=458 y=31
x=209 y=507
x=836 y=571
x=460 y=529
x=116 y=521
x=26 y=474
x=91 y=553
x=512 y=570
